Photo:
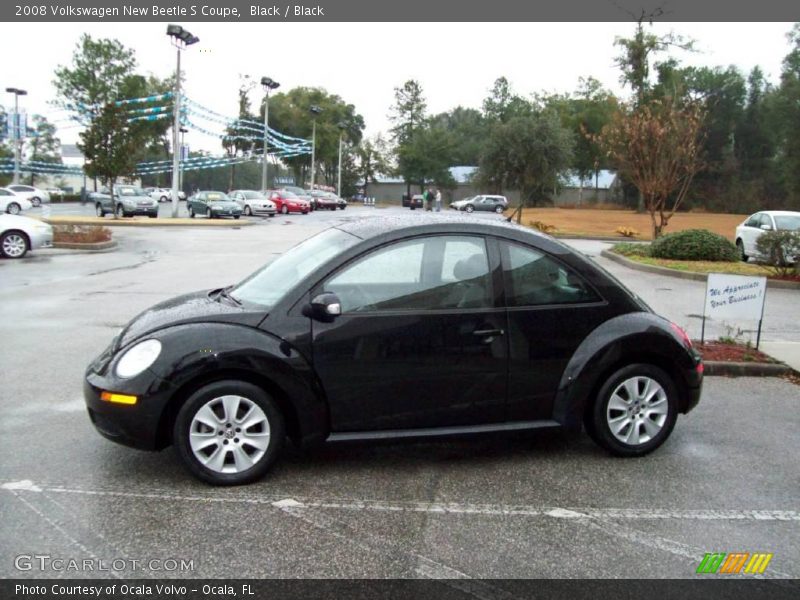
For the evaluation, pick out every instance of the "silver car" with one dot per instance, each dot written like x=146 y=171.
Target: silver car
x=253 y=202
x=36 y=196
x=18 y=235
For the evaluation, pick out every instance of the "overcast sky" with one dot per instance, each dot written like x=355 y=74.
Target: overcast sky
x=456 y=63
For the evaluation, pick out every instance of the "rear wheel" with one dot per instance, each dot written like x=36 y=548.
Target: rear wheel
x=229 y=433
x=635 y=411
x=498 y=209
x=13 y=209
x=740 y=248
x=36 y=201
x=14 y=244
x=469 y=208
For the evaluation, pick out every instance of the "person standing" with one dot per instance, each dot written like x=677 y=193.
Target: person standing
x=438 y=200
x=429 y=199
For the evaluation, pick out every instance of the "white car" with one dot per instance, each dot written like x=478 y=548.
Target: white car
x=18 y=235
x=755 y=225
x=36 y=196
x=13 y=203
x=164 y=194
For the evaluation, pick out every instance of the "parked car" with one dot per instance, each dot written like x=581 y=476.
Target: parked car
x=414 y=202
x=286 y=202
x=397 y=327
x=482 y=202
x=163 y=194
x=36 y=196
x=18 y=235
x=253 y=202
x=755 y=225
x=13 y=203
x=325 y=200
x=304 y=195
x=128 y=201
x=213 y=205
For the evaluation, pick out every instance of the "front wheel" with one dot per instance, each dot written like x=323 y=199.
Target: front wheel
x=498 y=209
x=13 y=209
x=120 y=211
x=229 y=433
x=208 y=214
x=14 y=244
x=191 y=213
x=740 y=248
x=99 y=211
x=635 y=411
x=248 y=212
x=285 y=210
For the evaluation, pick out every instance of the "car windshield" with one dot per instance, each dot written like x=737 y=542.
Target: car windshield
x=268 y=285
x=790 y=222
x=126 y=190
x=216 y=196
x=253 y=195
x=295 y=190
x=288 y=194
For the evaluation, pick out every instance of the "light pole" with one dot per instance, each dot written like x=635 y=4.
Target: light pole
x=181 y=38
x=16 y=129
x=180 y=179
x=268 y=85
x=314 y=110
x=342 y=128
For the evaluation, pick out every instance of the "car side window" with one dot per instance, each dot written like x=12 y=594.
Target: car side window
x=533 y=278
x=765 y=220
x=754 y=221
x=432 y=273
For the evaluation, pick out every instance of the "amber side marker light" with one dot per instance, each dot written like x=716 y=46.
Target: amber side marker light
x=117 y=398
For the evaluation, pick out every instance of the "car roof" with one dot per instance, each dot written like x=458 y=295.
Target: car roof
x=780 y=213
x=367 y=228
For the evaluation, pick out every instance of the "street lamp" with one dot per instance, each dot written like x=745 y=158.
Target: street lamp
x=315 y=111
x=17 y=141
x=181 y=38
x=268 y=85
x=342 y=128
x=180 y=180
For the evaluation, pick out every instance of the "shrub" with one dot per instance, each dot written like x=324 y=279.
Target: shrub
x=70 y=234
x=781 y=249
x=543 y=227
x=628 y=249
x=628 y=232
x=694 y=244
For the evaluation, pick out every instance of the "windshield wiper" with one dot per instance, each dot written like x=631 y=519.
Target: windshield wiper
x=224 y=293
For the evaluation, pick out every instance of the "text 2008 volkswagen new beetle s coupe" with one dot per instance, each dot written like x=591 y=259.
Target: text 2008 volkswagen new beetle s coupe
x=397 y=327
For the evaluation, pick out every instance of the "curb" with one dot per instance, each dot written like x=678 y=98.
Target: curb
x=637 y=266
x=133 y=222
x=744 y=369
x=87 y=246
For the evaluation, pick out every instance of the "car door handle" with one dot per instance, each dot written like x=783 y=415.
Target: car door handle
x=488 y=332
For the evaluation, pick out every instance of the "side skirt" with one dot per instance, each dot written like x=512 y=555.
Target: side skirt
x=351 y=436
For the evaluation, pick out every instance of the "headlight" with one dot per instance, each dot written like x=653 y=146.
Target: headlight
x=138 y=358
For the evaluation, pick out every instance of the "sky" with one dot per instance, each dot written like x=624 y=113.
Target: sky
x=456 y=63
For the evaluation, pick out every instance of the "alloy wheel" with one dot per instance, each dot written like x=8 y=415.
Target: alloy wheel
x=14 y=245
x=637 y=410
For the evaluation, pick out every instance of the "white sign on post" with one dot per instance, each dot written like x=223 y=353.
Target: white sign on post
x=735 y=296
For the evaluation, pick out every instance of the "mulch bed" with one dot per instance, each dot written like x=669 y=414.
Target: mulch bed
x=727 y=352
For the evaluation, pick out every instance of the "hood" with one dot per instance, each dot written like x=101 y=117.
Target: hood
x=137 y=198
x=198 y=307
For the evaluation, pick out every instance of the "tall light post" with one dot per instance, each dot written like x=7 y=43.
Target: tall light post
x=342 y=128
x=315 y=111
x=183 y=130
x=17 y=141
x=181 y=38
x=268 y=85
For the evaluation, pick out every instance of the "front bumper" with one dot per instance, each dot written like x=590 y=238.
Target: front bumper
x=141 y=210
x=41 y=239
x=135 y=425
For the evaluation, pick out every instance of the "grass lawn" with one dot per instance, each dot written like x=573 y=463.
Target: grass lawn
x=589 y=222
x=705 y=266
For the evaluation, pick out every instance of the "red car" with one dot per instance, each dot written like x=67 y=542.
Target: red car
x=286 y=202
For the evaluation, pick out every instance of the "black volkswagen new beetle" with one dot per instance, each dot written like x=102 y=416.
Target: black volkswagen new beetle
x=395 y=328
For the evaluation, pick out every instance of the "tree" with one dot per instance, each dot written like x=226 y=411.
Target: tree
x=657 y=146
x=788 y=110
x=527 y=154
x=502 y=104
x=43 y=145
x=467 y=129
x=426 y=158
x=408 y=112
x=372 y=159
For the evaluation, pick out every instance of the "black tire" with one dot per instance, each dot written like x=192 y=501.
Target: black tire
x=98 y=209
x=209 y=214
x=740 y=247
x=191 y=212
x=236 y=217
x=284 y=210
x=36 y=201
x=343 y=207
x=13 y=208
x=121 y=211
x=153 y=216
x=248 y=212
x=251 y=393
x=498 y=209
x=163 y=199
x=469 y=208
x=598 y=414
x=17 y=242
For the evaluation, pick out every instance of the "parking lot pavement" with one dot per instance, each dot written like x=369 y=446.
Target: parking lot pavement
x=544 y=505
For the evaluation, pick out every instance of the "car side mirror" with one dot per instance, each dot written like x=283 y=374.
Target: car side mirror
x=324 y=307
x=766 y=227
